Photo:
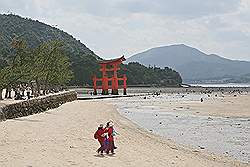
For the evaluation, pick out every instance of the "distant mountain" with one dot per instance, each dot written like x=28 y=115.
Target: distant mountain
x=34 y=33
x=84 y=61
x=192 y=64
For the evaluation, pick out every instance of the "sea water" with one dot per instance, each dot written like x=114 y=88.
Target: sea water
x=227 y=136
x=233 y=85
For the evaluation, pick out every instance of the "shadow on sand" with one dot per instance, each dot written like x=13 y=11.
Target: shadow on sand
x=104 y=155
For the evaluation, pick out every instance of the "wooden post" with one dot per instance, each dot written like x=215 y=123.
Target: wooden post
x=124 y=84
x=115 y=80
x=94 y=85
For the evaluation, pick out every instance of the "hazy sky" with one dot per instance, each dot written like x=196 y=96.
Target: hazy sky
x=114 y=27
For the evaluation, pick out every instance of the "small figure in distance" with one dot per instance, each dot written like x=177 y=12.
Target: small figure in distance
x=28 y=92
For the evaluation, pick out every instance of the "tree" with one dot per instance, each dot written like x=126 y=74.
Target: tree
x=47 y=64
x=140 y=75
x=51 y=66
x=17 y=70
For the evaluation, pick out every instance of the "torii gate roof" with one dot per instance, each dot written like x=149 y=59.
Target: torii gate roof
x=112 y=61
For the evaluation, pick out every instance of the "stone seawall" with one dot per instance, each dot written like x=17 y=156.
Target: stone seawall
x=36 y=105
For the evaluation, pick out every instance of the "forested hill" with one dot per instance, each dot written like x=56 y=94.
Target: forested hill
x=193 y=64
x=35 y=33
x=139 y=74
x=84 y=62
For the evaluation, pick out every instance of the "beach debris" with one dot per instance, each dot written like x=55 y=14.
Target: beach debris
x=174 y=148
x=209 y=118
x=150 y=130
x=156 y=93
x=160 y=123
x=145 y=97
x=156 y=115
x=176 y=116
x=202 y=100
x=202 y=148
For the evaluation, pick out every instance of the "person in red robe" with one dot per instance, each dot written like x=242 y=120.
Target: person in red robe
x=99 y=135
x=111 y=134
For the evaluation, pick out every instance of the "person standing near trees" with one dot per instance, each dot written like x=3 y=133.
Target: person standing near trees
x=28 y=91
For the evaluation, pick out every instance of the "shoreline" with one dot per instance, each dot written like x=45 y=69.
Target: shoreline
x=216 y=124
x=64 y=137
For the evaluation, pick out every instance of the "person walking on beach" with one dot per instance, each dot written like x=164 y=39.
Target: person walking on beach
x=111 y=134
x=100 y=136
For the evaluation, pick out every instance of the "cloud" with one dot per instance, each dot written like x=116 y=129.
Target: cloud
x=180 y=8
x=115 y=27
x=114 y=8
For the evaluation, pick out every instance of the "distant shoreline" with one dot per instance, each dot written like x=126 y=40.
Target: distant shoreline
x=151 y=90
x=184 y=85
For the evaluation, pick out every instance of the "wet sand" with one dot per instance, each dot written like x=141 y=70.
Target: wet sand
x=220 y=124
x=215 y=104
x=222 y=105
x=64 y=137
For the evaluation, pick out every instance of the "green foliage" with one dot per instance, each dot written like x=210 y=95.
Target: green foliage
x=47 y=65
x=140 y=75
x=35 y=33
x=3 y=63
x=50 y=64
x=17 y=71
x=46 y=54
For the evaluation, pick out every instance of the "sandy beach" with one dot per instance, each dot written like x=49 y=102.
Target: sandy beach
x=64 y=137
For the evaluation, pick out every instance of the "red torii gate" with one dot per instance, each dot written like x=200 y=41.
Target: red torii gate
x=109 y=66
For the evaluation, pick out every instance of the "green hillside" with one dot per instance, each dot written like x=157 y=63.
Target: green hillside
x=83 y=60
x=140 y=75
x=35 y=33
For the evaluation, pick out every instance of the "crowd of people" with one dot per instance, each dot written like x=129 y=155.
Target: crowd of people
x=105 y=136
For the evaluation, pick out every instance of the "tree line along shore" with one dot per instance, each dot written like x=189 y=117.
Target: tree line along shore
x=43 y=57
x=39 y=70
x=47 y=69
